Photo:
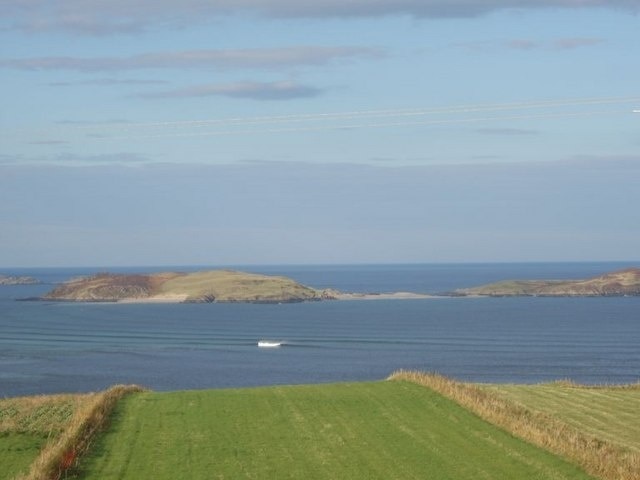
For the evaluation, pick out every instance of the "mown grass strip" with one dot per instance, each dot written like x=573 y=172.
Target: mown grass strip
x=61 y=454
x=597 y=456
x=378 y=430
x=611 y=413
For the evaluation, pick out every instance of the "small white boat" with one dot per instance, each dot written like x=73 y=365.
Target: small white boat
x=268 y=344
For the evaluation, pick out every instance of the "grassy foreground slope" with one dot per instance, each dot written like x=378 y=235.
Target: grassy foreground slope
x=42 y=437
x=610 y=413
x=27 y=424
x=595 y=454
x=382 y=430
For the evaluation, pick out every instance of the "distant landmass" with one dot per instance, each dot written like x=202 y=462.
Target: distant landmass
x=623 y=282
x=229 y=286
x=200 y=287
x=13 y=280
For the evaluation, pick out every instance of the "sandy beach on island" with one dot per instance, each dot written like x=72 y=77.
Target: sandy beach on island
x=382 y=296
x=180 y=298
x=166 y=298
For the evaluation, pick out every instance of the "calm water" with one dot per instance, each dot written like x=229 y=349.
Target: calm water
x=53 y=347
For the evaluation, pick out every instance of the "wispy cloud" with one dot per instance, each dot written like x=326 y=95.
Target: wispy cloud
x=252 y=90
x=104 y=158
x=6 y=159
x=255 y=58
x=83 y=123
x=48 y=142
x=123 y=158
x=528 y=44
x=107 y=82
x=618 y=162
x=506 y=131
x=571 y=43
x=99 y=17
x=519 y=44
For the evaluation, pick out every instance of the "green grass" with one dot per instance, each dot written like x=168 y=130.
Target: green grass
x=26 y=426
x=17 y=451
x=380 y=430
x=611 y=414
x=227 y=285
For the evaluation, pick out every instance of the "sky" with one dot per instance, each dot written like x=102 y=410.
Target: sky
x=243 y=132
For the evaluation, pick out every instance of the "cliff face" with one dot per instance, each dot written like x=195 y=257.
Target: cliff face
x=624 y=282
x=198 y=287
x=103 y=287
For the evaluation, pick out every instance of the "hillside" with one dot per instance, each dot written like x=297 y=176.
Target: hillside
x=623 y=282
x=13 y=280
x=373 y=430
x=199 y=287
x=413 y=426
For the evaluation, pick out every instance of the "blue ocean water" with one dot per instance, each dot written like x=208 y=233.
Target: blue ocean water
x=50 y=347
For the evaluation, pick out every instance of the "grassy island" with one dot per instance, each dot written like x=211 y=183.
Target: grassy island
x=623 y=282
x=198 y=287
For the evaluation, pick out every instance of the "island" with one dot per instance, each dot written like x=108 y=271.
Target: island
x=220 y=286
x=14 y=280
x=619 y=283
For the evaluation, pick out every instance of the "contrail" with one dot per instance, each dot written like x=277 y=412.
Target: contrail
x=326 y=121
x=364 y=125
x=389 y=113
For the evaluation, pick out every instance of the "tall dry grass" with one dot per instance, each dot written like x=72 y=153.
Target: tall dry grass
x=40 y=414
x=614 y=386
x=61 y=454
x=597 y=457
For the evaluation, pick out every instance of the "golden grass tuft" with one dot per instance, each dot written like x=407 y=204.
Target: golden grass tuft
x=572 y=384
x=61 y=454
x=596 y=456
x=45 y=415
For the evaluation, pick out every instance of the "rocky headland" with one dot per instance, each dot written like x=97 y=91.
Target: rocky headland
x=17 y=280
x=620 y=283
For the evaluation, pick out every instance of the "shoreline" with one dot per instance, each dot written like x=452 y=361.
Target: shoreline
x=182 y=298
x=169 y=298
x=384 y=296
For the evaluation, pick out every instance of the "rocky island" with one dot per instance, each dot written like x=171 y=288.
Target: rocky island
x=225 y=286
x=13 y=280
x=620 y=283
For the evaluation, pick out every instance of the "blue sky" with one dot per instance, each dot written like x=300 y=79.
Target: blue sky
x=279 y=131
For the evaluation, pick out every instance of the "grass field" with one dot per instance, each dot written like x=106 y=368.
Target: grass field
x=590 y=450
x=27 y=424
x=609 y=413
x=42 y=437
x=385 y=430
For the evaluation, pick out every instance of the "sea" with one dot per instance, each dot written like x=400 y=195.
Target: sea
x=52 y=347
